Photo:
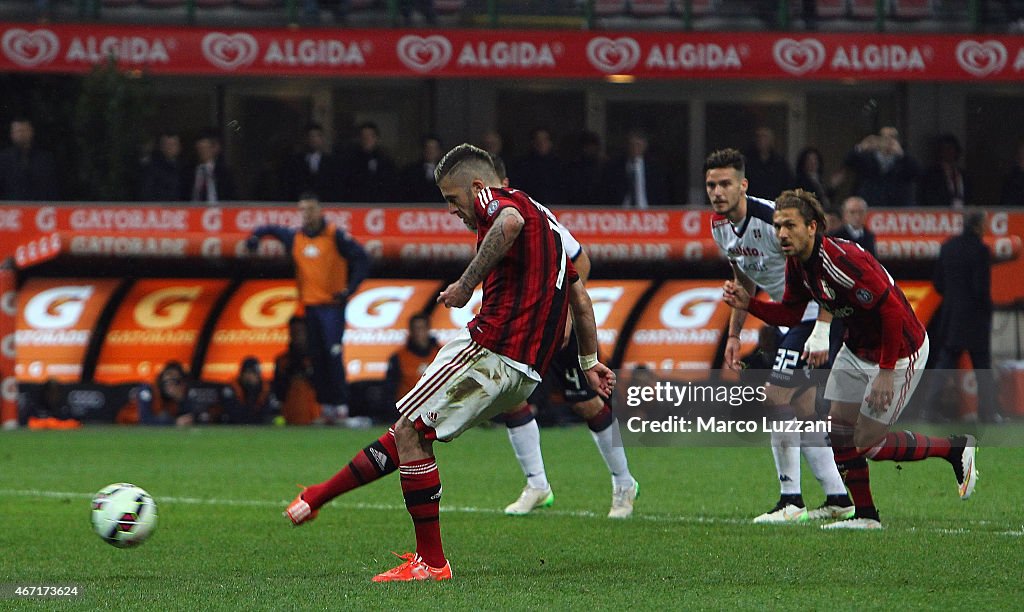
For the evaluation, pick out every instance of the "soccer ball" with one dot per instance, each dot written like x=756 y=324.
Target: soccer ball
x=123 y=515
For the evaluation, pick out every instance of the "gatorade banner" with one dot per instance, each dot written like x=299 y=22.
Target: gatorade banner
x=8 y=382
x=680 y=329
x=377 y=322
x=158 y=321
x=55 y=323
x=254 y=323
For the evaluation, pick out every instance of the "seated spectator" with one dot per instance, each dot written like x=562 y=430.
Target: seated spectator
x=408 y=363
x=1013 y=183
x=163 y=176
x=767 y=171
x=293 y=378
x=251 y=402
x=885 y=175
x=944 y=183
x=26 y=172
x=417 y=181
x=167 y=402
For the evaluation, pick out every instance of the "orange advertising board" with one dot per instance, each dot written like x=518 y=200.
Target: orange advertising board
x=377 y=322
x=55 y=322
x=158 y=321
x=254 y=322
x=680 y=329
x=923 y=298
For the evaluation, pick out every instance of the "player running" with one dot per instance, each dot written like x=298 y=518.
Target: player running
x=882 y=358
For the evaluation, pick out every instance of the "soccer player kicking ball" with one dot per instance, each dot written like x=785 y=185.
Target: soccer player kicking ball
x=529 y=285
x=882 y=358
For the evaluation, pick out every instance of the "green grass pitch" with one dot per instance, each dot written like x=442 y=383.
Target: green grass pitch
x=222 y=542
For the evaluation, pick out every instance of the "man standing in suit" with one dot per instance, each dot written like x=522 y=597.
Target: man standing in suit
x=212 y=180
x=637 y=180
x=963 y=276
x=26 y=173
x=313 y=169
x=855 y=214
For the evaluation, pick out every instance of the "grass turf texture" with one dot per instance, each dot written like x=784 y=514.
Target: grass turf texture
x=222 y=543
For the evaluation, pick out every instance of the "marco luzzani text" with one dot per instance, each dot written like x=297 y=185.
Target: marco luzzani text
x=665 y=394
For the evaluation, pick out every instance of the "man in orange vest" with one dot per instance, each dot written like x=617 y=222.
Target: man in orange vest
x=407 y=364
x=329 y=266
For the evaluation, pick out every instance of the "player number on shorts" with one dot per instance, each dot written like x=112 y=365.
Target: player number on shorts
x=572 y=375
x=785 y=361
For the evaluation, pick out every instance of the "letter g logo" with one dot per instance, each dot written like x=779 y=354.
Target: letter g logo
x=167 y=307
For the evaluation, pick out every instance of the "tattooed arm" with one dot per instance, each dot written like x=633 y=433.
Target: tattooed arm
x=495 y=244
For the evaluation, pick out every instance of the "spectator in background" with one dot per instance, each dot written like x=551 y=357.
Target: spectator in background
x=833 y=220
x=212 y=181
x=853 y=228
x=944 y=183
x=492 y=142
x=26 y=172
x=329 y=266
x=1013 y=183
x=585 y=172
x=767 y=171
x=425 y=8
x=963 y=276
x=417 y=182
x=637 y=179
x=408 y=363
x=251 y=404
x=540 y=173
x=313 y=169
x=885 y=174
x=163 y=176
x=166 y=403
x=293 y=378
x=810 y=170
x=368 y=173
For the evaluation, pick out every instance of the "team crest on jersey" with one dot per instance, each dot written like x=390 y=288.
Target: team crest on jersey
x=757 y=233
x=864 y=296
x=432 y=416
x=311 y=251
x=492 y=207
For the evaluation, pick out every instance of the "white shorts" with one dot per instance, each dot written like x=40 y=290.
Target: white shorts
x=851 y=377
x=465 y=384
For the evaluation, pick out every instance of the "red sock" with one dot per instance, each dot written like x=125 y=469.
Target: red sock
x=853 y=467
x=909 y=446
x=376 y=460
x=421 y=485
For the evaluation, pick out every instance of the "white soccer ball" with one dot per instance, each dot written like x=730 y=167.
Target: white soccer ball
x=123 y=515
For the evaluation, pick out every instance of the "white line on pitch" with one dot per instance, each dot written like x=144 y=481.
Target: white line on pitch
x=258 y=503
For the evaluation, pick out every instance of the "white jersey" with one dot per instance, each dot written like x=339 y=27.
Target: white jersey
x=570 y=245
x=754 y=247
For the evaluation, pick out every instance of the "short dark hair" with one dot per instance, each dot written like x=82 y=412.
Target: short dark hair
x=803 y=201
x=725 y=158
x=309 y=195
x=369 y=125
x=461 y=154
x=313 y=125
x=419 y=316
x=974 y=221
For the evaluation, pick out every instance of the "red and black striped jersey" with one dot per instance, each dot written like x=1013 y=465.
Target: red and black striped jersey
x=526 y=295
x=846 y=280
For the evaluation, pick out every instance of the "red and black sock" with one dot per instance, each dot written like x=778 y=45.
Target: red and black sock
x=853 y=467
x=602 y=420
x=376 y=460
x=421 y=485
x=909 y=446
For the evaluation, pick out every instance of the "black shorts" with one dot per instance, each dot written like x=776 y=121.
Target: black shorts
x=565 y=372
x=790 y=370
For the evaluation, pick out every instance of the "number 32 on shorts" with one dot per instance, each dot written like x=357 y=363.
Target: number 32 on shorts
x=786 y=360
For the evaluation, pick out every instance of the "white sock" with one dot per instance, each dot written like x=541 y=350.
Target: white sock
x=614 y=456
x=525 y=441
x=823 y=463
x=786 y=451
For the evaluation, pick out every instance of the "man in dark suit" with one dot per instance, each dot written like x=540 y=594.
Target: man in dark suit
x=26 y=173
x=417 y=180
x=540 y=172
x=963 y=276
x=767 y=172
x=637 y=180
x=212 y=181
x=944 y=184
x=313 y=169
x=855 y=213
x=368 y=172
x=163 y=176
